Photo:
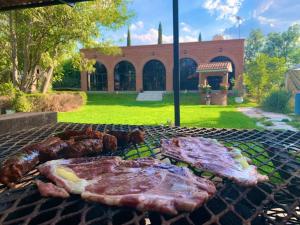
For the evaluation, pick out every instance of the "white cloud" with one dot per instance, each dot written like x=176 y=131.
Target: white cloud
x=267 y=21
x=137 y=25
x=279 y=14
x=224 y=9
x=185 y=27
x=187 y=38
x=151 y=37
x=265 y=6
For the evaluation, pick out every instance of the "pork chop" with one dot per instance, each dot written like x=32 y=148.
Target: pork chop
x=145 y=184
x=210 y=155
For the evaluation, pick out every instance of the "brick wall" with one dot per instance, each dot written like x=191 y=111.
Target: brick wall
x=201 y=52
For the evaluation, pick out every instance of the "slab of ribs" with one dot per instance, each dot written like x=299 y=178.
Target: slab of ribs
x=210 y=155
x=145 y=184
x=68 y=144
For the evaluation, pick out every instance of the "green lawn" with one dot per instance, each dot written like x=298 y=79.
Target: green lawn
x=123 y=109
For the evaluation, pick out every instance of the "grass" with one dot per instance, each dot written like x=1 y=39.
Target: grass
x=295 y=121
x=123 y=109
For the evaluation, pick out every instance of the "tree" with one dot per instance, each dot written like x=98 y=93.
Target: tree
x=284 y=44
x=160 y=41
x=200 y=37
x=128 y=37
x=38 y=39
x=66 y=75
x=263 y=74
x=254 y=44
x=5 y=54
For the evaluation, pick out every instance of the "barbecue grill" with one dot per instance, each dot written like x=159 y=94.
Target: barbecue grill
x=275 y=153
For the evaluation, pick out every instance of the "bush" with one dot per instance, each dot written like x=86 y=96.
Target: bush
x=277 y=101
x=57 y=101
x=21 y=103
x=8 y=89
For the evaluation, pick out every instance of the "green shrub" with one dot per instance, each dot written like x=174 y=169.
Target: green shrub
x=277 y=101
x=21 y=103
x=57 y=101
x=8 y=89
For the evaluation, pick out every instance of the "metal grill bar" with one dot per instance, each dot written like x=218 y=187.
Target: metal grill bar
x=275 y=153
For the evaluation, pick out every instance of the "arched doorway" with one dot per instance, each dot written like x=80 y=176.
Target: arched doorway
x=154 y=76
x=189 y=79
x=231 y=75
x=124 y=76
x=98 y=79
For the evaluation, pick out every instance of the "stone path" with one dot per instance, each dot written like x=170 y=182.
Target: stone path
x=150 y=96
x=275 y=118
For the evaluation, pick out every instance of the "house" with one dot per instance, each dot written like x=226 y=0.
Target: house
x=149 y=67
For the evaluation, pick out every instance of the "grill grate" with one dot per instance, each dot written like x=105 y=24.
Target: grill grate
x=275 y=153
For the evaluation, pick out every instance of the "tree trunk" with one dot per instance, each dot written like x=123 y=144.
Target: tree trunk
x=13 y=42
x=47 y=80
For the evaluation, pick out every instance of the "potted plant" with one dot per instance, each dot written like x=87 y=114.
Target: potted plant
x=205 y=89
x=223 y=88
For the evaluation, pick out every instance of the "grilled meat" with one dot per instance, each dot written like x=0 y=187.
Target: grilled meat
x=110 y=142
x=145 y=184
x=209 y=155
x=15 y=166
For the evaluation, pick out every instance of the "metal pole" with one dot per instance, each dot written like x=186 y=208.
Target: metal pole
x=176 y=75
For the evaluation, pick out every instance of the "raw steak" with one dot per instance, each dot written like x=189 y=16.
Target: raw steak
x=146 y=184
x=50 y=190
x=210 y=155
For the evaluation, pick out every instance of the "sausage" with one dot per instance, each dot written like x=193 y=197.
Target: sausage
x=14 y=167
x=123 y=138
x=88 y=133
x=53 y=151
x=137 y=136
x=87 y=147
x=110 y=142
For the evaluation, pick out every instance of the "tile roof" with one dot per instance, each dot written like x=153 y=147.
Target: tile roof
x=215 y=67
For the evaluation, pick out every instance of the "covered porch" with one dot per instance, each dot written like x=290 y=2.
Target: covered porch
x=213 y=82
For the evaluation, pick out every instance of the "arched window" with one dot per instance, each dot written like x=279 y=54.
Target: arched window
x=189 y=79
x=154 y=76
x=124 y=76
x=98 y=79
x=231 y=75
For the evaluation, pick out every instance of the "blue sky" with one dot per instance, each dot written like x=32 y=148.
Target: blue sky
x=210 y=17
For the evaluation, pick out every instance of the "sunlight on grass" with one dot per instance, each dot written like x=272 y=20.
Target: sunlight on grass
x=123 y=109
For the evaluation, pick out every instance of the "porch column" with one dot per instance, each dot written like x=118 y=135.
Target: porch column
x=169 y=79
x=225 y=79
x=83 y=81
x=110 y=80
x=139 y=79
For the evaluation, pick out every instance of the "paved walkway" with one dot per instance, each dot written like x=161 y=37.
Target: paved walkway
x=275 y=118
x=150 y=96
